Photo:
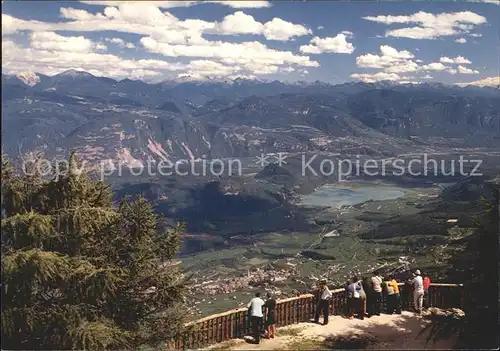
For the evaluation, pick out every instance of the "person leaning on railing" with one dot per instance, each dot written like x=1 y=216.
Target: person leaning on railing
x=353 y=298
x=270 y=304
x=393 y=298
x=255 y=312
x=427 y=284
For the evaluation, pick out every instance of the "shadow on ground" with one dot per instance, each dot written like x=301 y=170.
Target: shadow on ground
x=403 y=332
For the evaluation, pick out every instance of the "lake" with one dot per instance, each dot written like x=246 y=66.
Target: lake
x=337 y=196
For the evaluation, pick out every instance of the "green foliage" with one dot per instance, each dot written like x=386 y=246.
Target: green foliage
x=81 y=273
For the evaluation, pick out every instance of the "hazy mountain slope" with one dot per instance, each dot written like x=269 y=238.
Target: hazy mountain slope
x=132 y=121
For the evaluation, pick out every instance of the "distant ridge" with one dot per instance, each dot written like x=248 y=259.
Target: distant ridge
x=33 y=78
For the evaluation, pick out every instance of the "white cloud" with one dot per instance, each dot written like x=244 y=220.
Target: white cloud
x=276 y=29
x=408 y=66
x=51 y=41
x=240 y=23
x=173 y=4
x=120 y=42
x=242 y=4
x=347 y=33
x=11 y=25
x=79 y=15
x=147 y=19
x=465 y=70
x=388 y=51
x=485 y=82
x=427 y=76
x=100 y=47
x=434 y=66
x=475 y=35
x=457 y=60
x=377 y=77
x=18 y=59
x=233 y=53
x=320 y=28
x=337 y=44
x=59 y=58
x=390 y=59
x=393 y=62
x=165 y=34
x=207 y=68
x=494 y=2
x=461 y=40
x=430 y=26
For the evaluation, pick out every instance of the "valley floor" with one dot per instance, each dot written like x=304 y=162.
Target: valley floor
x=390 y=332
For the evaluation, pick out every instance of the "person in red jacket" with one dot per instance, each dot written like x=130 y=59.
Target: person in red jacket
x=427 y=284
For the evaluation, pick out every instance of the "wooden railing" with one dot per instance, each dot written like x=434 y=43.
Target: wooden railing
x=235 y=323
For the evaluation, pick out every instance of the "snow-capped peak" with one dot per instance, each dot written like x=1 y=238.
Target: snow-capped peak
x=28 y=78
x=75 y=73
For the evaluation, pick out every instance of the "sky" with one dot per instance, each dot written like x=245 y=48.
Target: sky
x=452 y=42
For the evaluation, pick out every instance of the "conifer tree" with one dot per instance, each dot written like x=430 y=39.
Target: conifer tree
x=80 y=273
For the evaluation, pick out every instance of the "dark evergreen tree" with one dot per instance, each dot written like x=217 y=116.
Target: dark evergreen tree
x=80 y=273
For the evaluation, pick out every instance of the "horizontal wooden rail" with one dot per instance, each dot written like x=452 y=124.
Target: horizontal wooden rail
x=235 y=323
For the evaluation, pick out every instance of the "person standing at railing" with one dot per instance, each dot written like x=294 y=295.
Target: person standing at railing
x=325 y=296
x=368 y=288
x=255 y=310
x=418 y=291
x=271 y=316
x=377 y=294
x=393 y=299
x=386 y=290
x=353 y=297
x=362 y=296
x=427 y=284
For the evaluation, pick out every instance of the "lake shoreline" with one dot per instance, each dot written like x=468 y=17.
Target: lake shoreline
x=350 y=193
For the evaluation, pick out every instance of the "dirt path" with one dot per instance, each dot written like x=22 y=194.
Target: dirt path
x=389 y=331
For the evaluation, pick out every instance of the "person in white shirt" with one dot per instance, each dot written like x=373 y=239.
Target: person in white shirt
x=324 y=296
x=376 y=298
x=256 y=316
x=418 y=291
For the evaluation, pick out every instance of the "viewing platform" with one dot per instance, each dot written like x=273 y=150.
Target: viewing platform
x=299 y=311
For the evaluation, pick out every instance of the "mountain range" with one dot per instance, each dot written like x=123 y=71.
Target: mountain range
x=130 y=121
